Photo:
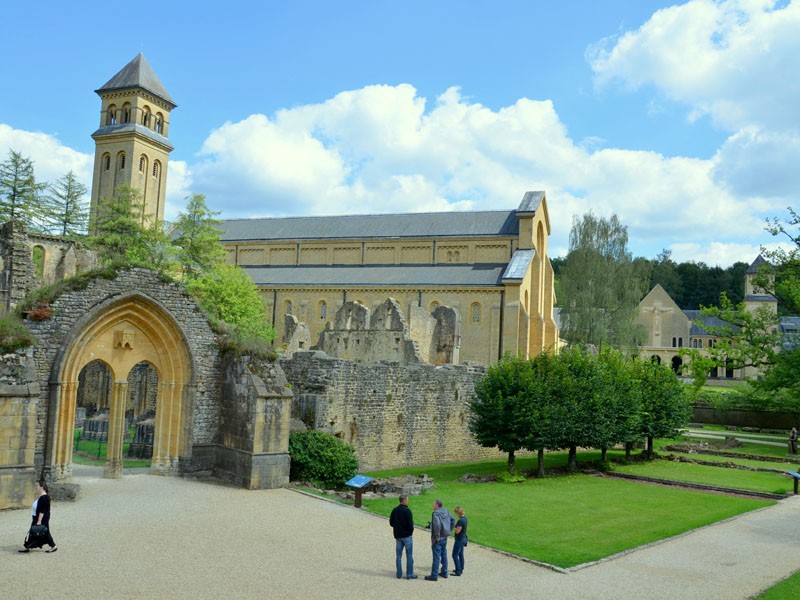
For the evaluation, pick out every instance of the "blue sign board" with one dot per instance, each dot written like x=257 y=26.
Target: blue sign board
x=359 y=481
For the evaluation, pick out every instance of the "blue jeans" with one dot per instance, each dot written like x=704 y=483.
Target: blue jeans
x=408 y=544
x=439 y=554
x=458 y=554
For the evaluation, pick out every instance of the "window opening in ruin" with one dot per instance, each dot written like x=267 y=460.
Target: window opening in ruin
x=37 y=256
x=677 y=363
x=156 y=166
x=107 y=160
x=111 y=117
x=159 y=123
x=91 y=411
x=141 y=164
x=140 y=411
x=126 y=113
x=457 y=256
x=122 y=161
x=434 y=305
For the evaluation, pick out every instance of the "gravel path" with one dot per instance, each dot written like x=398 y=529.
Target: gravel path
x=146 y=536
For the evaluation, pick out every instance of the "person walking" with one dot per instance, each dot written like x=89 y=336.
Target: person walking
x=793 y=441
x=402 y=522
x=40 y=516
x=441 y=525
x=460 y=541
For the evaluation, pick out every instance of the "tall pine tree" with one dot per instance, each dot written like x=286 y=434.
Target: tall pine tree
x=20 y=194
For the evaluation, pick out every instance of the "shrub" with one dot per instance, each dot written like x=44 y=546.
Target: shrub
x=13 y=334
x=321 y=458
x=506 y=477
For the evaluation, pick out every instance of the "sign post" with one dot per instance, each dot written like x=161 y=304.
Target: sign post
x=357 y=483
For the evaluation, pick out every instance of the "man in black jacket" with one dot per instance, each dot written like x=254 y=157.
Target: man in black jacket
x=402 y=522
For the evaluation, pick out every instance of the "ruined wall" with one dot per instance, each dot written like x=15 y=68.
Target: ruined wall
x=254 y=425
x=393 y=415
x=19 y=395
x=56 y=333
x=56 y=259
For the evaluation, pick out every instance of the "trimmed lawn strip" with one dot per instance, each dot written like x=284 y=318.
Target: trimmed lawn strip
x=744 y=462
x=568 y=520
x=788 y=589
x=773 y=483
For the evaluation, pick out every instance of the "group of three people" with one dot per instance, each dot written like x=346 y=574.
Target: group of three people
x=441 y=525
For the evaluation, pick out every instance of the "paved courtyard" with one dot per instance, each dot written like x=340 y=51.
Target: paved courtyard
x=156 y=537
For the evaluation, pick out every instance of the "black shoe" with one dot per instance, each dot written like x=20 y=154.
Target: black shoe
x=456 y=573
x=443 y=575
x=399 y=576
x=427 y=577
x=413 y=576
x=24 y=551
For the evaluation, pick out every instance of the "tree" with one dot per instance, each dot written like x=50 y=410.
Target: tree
x=664 y=404
x=228 y=295
x=19 y=192
x=502 y=407
x=198 y=237
x=123 y=238
x=68 y=213
x=601 y=285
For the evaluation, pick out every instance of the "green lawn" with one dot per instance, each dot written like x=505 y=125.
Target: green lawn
x=774 y=483
x=90 y=452
x=566 y=520
x=788 y=589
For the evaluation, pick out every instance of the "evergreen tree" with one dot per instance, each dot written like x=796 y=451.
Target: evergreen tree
x=20 y=194
x=68 y=211
x=197 y=238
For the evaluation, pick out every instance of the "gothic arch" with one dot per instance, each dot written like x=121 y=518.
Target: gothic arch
x=123 y=332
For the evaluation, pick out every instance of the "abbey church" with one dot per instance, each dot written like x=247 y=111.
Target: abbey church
x=490 y=267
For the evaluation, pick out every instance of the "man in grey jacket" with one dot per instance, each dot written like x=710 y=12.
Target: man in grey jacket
x=441 y=525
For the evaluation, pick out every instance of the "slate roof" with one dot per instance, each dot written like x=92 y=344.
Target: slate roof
x=138 y=74
x=352 y=276
x=755 y=265
x=518 y=266
x=696 y=329
x=133 y=127
x=406 y=225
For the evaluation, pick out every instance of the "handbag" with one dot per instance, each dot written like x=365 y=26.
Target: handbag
x=37 y=531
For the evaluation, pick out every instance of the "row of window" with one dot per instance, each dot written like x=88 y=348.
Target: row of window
x=474 y=310
x=677 y=342
x=121 y=163
x=123 y=115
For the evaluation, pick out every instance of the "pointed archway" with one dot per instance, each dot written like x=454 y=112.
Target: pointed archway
x=124 y=332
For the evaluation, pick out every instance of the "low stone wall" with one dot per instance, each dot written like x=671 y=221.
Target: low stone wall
x=19 y=396
x=393 y=415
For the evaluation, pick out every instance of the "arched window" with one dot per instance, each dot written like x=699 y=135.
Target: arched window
x=677 y=363
x=475 y=311
x=142 y=163
x=288 y=307
x=449 y=256
x=126 y=113
x=655 y=359
x=434 y=305
x=156 y=168
x=323 y=310
x=159 y=123
x=457 y=256
x=146 y=116
x=111 y=115
x=121 y=161
x=107 y=161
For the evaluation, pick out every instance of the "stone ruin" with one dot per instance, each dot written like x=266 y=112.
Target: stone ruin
x=386 y=335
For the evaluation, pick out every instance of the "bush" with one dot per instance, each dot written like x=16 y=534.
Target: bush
x=506 y=477
x=13 y=334
x=321 y=458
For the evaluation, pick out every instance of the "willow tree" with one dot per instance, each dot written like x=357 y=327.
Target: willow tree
x=601 y=285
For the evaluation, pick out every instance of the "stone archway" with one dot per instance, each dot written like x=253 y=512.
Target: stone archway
x=124 y=332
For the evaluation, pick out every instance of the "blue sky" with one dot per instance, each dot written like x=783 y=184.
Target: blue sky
x=681 y=118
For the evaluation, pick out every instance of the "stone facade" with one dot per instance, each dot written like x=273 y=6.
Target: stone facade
x=19 y=394
x=393 y=415
x=491 y=267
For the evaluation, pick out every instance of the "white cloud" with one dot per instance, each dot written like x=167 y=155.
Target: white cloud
x=51 y=159
x=733 y=60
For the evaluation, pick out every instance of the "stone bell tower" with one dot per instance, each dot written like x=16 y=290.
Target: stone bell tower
x=131 y=145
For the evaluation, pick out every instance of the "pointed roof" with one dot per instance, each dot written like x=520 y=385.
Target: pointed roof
x=138 y=74
x=756 y=265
